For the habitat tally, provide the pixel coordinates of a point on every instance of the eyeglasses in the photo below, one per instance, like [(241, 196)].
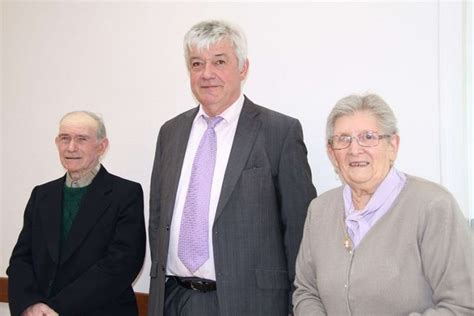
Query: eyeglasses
[(364, 139)]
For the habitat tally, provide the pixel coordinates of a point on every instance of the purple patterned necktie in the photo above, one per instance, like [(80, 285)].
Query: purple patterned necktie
[(193, 244)]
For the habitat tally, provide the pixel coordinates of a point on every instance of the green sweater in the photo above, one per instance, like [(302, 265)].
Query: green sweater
[(71, 201), (416, 260)]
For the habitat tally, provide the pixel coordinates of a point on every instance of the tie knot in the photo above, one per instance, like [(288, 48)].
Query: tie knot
[(212, 121)]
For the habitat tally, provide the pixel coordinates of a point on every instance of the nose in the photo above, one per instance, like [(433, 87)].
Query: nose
[(208, 72), (354, 146), (71, 146)]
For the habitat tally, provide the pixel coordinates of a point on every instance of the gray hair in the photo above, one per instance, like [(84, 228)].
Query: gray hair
[(207, 33), (370, 103), (101, 132)]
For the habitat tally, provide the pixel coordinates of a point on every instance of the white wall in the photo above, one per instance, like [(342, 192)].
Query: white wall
[(3, 254), (469, 89), (125, 61), (453, 106)]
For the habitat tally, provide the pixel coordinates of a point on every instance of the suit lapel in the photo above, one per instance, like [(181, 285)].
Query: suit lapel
[(173, 167), (245, 135), (50, 210), (94, 203)]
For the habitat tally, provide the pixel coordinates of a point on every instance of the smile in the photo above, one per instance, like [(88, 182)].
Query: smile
[(359, 164)]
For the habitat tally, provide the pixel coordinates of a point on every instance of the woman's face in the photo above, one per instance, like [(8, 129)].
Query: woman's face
[(363, 168)]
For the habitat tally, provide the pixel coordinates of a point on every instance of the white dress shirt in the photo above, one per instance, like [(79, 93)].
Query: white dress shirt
[(225, 132)]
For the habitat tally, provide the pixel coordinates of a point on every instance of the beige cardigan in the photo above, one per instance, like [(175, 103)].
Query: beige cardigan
[(416, 260)]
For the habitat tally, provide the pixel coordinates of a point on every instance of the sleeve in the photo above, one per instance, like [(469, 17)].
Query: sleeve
[(154, 220), (447, 257), (109, 277), (22, 286), (306, 298), (296, 190)]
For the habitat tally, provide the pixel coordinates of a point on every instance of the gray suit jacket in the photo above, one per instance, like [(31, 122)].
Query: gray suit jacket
[(260, 215)]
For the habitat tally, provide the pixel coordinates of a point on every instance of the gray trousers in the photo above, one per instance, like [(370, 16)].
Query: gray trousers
[(180, 301)]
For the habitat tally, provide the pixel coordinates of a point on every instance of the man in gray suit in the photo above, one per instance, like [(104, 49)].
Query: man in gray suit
[(229, 192)]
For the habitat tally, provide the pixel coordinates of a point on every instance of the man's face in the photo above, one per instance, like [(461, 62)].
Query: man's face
[(78, 146), (215, 76)]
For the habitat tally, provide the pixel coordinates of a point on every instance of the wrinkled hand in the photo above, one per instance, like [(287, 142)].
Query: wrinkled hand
[(39, 309)]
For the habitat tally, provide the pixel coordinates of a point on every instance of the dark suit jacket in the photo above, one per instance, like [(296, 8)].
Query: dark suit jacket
[(100, 259), (260, 214)]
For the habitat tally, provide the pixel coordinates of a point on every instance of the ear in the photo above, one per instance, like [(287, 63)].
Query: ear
[(393, 147), (244, 70), (103, 145)]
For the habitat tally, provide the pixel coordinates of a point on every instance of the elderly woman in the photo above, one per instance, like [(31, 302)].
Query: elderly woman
[(385, 243)]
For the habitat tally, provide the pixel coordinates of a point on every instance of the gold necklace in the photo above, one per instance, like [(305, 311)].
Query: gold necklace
[(347, 239)]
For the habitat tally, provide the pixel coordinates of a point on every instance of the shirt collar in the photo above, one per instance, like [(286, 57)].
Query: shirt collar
[(384, 190), (85, 180), (230, 115)]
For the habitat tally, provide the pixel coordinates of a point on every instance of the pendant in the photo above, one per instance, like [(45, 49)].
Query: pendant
[(347, 243)]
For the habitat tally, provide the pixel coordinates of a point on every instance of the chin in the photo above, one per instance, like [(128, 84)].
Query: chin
[(359, 179), (209, 101)]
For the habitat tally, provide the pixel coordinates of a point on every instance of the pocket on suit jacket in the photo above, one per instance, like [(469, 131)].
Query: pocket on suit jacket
[(272, 279), (256, 171)]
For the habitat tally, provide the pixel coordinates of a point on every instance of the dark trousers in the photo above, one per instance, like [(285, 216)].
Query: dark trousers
[(180, 301)]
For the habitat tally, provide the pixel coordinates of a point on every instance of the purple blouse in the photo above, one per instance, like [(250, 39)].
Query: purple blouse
[(359, 222)]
